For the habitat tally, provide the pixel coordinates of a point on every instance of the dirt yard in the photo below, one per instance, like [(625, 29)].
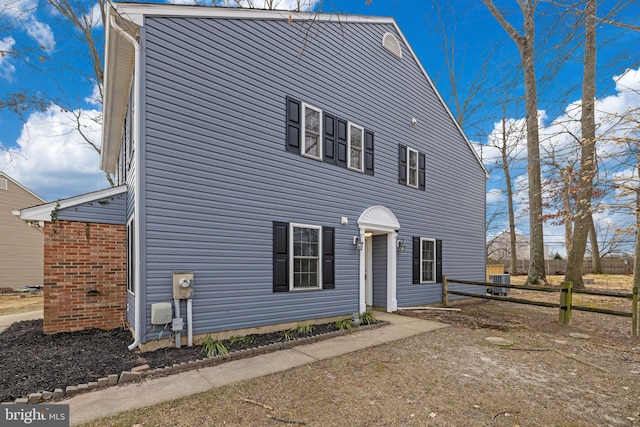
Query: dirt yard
[(545, 374)]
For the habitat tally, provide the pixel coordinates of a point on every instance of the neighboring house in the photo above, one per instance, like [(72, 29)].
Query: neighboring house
[(298, 166), (499, 247), (20, 245)]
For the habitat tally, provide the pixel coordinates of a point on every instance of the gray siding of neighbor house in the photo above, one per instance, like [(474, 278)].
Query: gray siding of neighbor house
[(107, 210), (216, 173), (379, 279)]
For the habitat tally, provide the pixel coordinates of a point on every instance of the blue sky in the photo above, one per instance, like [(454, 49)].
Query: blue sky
[(47, 156)]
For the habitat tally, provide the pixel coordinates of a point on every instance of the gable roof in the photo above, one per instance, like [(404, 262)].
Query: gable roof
[(43, 212), (122, 28), (8, 178)]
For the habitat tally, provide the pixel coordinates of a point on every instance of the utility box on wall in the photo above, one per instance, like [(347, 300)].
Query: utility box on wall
[(182, 285), (161, 313)]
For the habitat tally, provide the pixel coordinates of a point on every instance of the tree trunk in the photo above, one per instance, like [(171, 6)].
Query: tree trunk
[(525, 44), (512, 221), (595, 248), (636, 256), (587, 158), (566, 207), (536, 253)]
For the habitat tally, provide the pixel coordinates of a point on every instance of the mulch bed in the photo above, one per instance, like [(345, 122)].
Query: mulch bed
[(32, 362)]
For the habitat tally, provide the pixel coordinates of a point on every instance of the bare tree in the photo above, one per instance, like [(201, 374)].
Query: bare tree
[(582, 218), (525, 43)]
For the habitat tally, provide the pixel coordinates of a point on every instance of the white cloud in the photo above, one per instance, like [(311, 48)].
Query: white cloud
[(495, 195), (52, 159), (18, 8), (95, 16), (24, 12), (41, 33), (6, 68), (94, 99)]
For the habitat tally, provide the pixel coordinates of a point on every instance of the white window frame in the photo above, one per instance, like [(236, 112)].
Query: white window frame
[(435, 257), (303, 133), (353, 125), (131, 256), (291, 256), (409, 151)]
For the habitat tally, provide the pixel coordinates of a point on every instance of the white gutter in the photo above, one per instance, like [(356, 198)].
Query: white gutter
[(136, 217)]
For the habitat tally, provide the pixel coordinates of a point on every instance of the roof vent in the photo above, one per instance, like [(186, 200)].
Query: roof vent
[(3, 184), (391, 43)]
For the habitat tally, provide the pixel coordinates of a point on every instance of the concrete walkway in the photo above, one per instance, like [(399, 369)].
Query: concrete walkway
[(9, 319), (111, 401)]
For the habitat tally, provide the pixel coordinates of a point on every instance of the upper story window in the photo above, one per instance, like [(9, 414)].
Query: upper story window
[(312, 132), (319, 135), (356, 147), (411, 167)]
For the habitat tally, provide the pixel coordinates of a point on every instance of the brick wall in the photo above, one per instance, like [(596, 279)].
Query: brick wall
[(79, 259)]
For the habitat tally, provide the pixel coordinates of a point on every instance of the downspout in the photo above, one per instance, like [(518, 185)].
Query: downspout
[(136, 218)]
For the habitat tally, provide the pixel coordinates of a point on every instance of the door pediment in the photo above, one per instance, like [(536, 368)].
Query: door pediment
[(378, 218)]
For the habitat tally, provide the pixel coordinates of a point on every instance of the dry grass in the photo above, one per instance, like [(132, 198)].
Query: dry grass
[(449, 377), (602, 281), (20, 303)]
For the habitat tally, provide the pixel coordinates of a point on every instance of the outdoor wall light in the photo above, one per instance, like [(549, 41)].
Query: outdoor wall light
[(358, 242), (401, 246)]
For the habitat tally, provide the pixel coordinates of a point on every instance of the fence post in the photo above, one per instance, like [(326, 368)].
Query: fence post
[(565, 303), (445, 291), (634, 313)]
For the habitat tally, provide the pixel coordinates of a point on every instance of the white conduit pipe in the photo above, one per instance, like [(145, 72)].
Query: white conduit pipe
[(189, 323), (176, 303)]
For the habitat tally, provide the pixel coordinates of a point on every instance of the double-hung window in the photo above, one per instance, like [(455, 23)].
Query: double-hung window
[(427, 260), (312, 132), (305, 250), (356, 152), (412, 169)]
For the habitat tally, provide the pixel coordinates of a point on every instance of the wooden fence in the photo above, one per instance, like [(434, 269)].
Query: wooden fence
[(565, 303)]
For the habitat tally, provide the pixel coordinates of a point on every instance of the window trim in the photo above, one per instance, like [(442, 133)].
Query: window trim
[(131, 256), (362, 142), (417, 170), (293, 225), (303, 131), (434, 260)]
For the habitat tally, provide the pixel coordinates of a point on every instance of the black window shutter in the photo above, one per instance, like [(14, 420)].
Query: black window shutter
[(402, 165), (421, 171), (328, 258), (293, 125), (341, 143), (416, 260), (439, 261), (329, 142), (368, 152), (280, 257)]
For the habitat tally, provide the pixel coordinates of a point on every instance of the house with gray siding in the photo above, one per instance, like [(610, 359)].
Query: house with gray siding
[(280, 168)]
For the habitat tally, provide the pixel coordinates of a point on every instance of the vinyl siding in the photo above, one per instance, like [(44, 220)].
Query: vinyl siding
[(21, 245), (109, 210), (217, 174)]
